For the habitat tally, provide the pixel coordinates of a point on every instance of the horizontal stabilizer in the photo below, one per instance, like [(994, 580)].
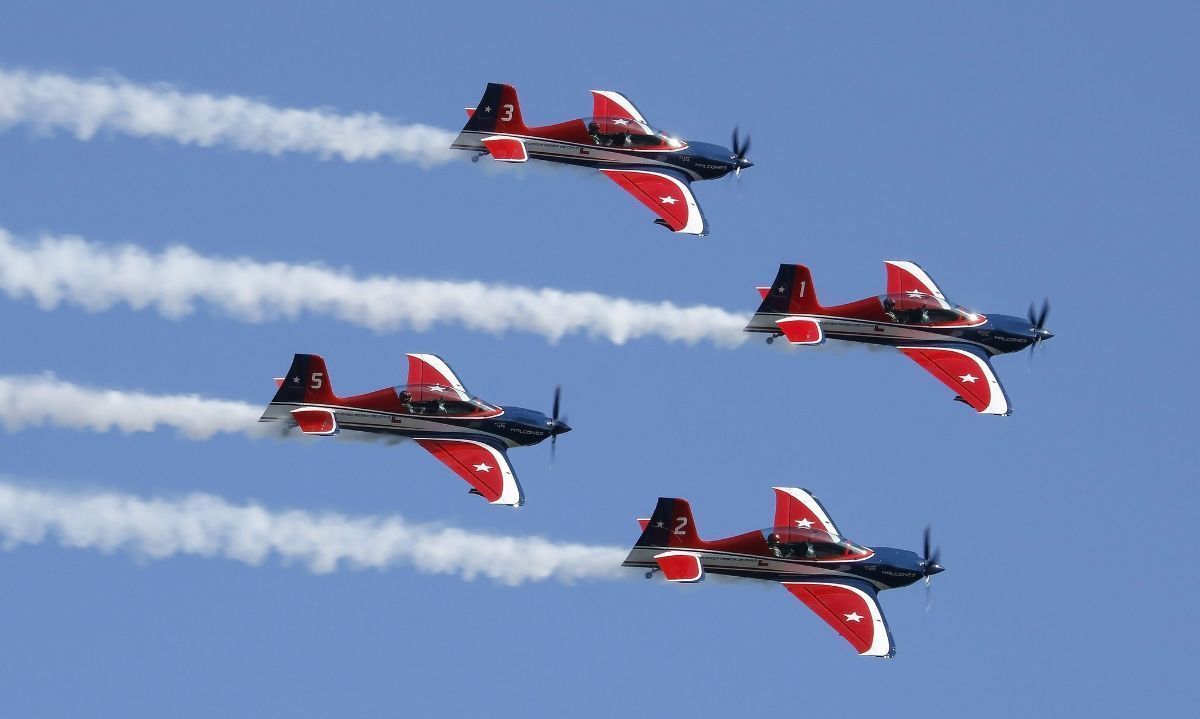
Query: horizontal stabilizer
[(315, 420), (506, 149), (680, 566), (801, 330), (643, 522)]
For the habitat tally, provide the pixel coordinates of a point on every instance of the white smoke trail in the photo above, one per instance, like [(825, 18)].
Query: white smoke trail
[(208, 526), (37, 400), (43, 399), (69, 269), (49, 102)]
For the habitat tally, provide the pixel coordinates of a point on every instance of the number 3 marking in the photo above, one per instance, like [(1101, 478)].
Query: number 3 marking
[(681, 522), (508, 111), (317, 382)]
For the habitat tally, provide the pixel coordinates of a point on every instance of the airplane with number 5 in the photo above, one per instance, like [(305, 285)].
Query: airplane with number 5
[(651, 165), (468, 435), (951, 343), (802, 550)]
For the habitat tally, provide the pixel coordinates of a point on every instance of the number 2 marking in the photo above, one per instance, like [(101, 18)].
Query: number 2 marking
[(681, 522), (508, 112), (317, 381)]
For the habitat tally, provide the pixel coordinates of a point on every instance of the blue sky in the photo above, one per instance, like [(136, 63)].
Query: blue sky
[(1014, 152)]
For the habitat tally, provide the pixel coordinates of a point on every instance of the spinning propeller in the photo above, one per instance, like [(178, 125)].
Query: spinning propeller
[(1037, 323), (930, 566), (557, 427), (739, 153)]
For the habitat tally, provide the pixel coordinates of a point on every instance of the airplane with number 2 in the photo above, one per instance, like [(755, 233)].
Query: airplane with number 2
[(468, 435), (651, 165), (951, 343), (803, 550)]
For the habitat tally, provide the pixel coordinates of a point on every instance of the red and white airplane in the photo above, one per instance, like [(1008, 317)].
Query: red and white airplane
[(951, 343), (802, 550), (468, 435), (651, 165)]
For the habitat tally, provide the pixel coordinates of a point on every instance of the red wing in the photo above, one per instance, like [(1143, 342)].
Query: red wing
[(907, 278), (606, 103), (433, 370), (666, 195), (852, 609), (485, 468), (796, 508), (965, 372)]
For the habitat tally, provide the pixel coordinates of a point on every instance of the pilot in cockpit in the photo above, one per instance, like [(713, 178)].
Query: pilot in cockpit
[(406, 402), (889, 309), (773, 545)]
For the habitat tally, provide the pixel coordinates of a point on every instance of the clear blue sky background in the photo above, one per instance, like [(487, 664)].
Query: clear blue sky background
[(1015, 152)]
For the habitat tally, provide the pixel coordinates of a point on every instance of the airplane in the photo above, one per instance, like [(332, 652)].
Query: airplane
[(651, 165), (951, 343), (468, 435), (803, 550)]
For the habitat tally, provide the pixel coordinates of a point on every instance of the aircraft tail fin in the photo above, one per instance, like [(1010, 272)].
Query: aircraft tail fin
[(498, 112), (307, 382), (792, 292), (671, 525)]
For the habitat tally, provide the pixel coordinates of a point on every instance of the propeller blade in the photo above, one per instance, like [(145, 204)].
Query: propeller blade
[(735, 142), (925, 554), (745, 148), (557, 398), (1045, 313)]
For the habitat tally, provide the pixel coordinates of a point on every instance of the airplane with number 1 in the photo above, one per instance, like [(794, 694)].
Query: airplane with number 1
[(649, 164), (803, 550), (468, 435), (953, 344)]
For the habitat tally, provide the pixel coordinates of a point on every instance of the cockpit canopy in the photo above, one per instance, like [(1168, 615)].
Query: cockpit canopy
[(623, 132), (921, 309), (800, 543), (441, 401)]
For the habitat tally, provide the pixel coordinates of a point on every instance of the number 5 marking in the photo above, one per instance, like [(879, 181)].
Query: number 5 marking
[(317, 382), (681, 522), (508, 112)]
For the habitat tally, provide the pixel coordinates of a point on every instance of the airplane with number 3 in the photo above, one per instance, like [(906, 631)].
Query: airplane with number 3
[(651, 165), (468, 435), (802, 550), (951, 343)]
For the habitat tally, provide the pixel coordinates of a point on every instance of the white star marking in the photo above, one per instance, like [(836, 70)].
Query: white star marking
[(668, 200), (485, 467), (969, 378), (854, 617), (488, 108), (804, 523), (659, 525), (436, 388), (620, 122), (916, 293), (295, 380)]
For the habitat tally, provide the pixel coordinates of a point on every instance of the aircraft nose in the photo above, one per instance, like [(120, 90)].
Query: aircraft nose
[(934, 569), (743, 163), (559, 427), (1043, 334)]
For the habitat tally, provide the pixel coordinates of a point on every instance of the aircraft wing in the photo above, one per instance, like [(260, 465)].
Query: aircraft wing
[(851, 607), (485, 467), (795, 507), (907, 278), (667, 194), (433, 370), (966, 371), (606, 103)]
